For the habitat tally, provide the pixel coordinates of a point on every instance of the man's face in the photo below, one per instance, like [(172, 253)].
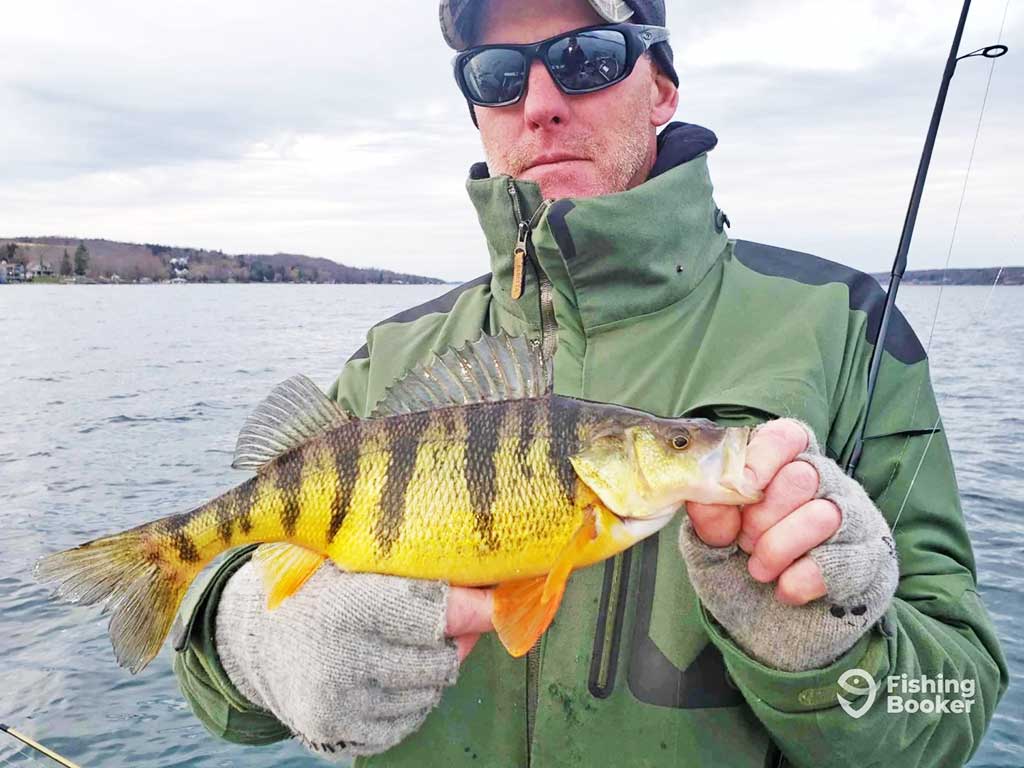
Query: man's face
[(572, 146)]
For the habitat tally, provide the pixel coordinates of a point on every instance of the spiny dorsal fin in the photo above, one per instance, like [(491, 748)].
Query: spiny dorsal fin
[(489, 369), (295, 411)]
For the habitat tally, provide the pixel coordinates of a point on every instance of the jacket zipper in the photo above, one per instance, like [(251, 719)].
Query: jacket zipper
[(520, 255), (549, 339)]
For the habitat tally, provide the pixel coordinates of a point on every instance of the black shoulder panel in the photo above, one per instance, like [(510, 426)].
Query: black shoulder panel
[(439, 305), (865, 293)]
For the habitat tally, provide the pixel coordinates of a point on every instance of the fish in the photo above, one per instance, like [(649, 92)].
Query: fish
[(471, 470)]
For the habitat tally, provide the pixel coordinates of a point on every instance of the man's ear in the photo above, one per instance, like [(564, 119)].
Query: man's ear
[(665, 97)]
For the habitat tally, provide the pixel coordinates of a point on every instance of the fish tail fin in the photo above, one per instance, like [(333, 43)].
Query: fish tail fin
[(139, 587)]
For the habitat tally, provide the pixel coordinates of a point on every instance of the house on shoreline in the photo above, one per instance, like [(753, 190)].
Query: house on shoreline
[(15, 272), (11, 272)]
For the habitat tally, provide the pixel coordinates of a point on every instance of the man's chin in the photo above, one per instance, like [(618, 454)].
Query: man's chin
[(572, 178)]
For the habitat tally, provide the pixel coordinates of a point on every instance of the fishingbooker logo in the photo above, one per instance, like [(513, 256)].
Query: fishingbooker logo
[(906, 694), (857, 683)]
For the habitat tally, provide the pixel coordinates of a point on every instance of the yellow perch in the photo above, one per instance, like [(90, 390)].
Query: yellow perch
[(471, 471)]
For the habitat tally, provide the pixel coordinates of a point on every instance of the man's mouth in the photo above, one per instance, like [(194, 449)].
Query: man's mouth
[(551, 158)]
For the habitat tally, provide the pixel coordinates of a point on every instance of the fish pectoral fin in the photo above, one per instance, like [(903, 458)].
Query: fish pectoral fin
[(284, 568), (569, 557), (520, 616), (523, 610)]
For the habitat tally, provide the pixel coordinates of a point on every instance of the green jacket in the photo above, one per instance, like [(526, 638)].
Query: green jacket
[(654, 307)]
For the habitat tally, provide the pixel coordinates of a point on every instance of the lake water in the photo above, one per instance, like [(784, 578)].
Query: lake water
[(122, 404)]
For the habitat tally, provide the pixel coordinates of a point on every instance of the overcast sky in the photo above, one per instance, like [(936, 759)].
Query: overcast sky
[(323, 128)]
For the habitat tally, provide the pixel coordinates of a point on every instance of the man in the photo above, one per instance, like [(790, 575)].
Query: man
[(721, 640)]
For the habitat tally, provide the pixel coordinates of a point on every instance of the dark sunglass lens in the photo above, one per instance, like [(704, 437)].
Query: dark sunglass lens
[(494, 75), (589, 60)]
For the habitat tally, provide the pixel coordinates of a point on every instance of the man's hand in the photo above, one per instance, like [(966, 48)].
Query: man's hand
[(785, 525), (816, 534), (352, 663), (468, 614)]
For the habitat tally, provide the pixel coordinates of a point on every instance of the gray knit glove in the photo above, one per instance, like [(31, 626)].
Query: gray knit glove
[(351, 663), (858, 564)]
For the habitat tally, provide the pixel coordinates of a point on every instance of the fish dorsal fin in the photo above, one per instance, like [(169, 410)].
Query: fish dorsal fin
[(284, 568), (295, 411), (492, 368)]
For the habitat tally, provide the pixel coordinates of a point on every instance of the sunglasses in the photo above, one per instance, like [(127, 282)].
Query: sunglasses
[(581, 61)]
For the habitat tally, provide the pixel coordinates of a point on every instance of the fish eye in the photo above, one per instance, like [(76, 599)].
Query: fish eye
[(680, 441)]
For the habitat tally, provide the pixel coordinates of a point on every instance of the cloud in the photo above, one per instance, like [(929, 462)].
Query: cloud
[(326, 129)]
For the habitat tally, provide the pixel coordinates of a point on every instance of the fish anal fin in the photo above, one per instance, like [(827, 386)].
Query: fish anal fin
[(523, 610), (284, 568)]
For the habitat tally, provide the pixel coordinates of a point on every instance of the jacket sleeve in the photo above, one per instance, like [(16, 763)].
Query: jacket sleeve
[(202, 680), (936, 624)]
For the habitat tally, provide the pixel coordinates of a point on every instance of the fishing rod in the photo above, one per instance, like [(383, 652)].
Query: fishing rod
[(899, 265), (37, 747)]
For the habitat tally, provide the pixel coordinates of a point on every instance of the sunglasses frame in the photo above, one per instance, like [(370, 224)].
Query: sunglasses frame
[(639, 39)]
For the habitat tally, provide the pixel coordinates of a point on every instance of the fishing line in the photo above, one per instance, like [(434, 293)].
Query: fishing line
[(935, 427), (899, 264), (967, 178), (945, 269)]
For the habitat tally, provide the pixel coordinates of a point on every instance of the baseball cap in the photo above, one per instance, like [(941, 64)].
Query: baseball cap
[(459, 23)]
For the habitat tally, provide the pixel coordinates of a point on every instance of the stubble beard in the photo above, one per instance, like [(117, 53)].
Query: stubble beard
[(620, 154)]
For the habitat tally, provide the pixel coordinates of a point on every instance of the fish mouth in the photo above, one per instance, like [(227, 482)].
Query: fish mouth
[(740, 491), (641, 527), (728, 461)]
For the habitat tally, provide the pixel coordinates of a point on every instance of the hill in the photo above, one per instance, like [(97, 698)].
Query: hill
[(979, 276), (151, 261)]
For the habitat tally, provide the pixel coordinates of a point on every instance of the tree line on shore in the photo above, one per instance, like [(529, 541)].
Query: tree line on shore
[(105, 260)]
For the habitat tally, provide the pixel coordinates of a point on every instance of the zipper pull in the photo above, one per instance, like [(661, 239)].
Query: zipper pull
[(518, 260)]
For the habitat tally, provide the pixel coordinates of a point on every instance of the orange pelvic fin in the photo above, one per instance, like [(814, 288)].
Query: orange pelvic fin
[(523, 610), (284, 568)]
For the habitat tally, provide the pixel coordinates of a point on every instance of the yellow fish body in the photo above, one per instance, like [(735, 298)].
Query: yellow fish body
[(473, 473)]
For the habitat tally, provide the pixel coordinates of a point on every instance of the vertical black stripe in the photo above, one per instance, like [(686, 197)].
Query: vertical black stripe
[(289, 482), (346, 465), (527, 413), (446, 416), (483, 426), (222, 509), (245, 498), (181, 541), (402, 435), (564, 442)]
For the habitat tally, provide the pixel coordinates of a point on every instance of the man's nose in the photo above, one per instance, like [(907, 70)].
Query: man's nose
[(544, 105)]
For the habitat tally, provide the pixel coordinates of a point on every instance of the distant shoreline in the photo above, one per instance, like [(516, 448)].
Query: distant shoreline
[(110, 261), (978, 276), (38, 281)]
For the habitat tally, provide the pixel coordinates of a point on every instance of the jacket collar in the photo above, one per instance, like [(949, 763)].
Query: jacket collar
[(614, 256)]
